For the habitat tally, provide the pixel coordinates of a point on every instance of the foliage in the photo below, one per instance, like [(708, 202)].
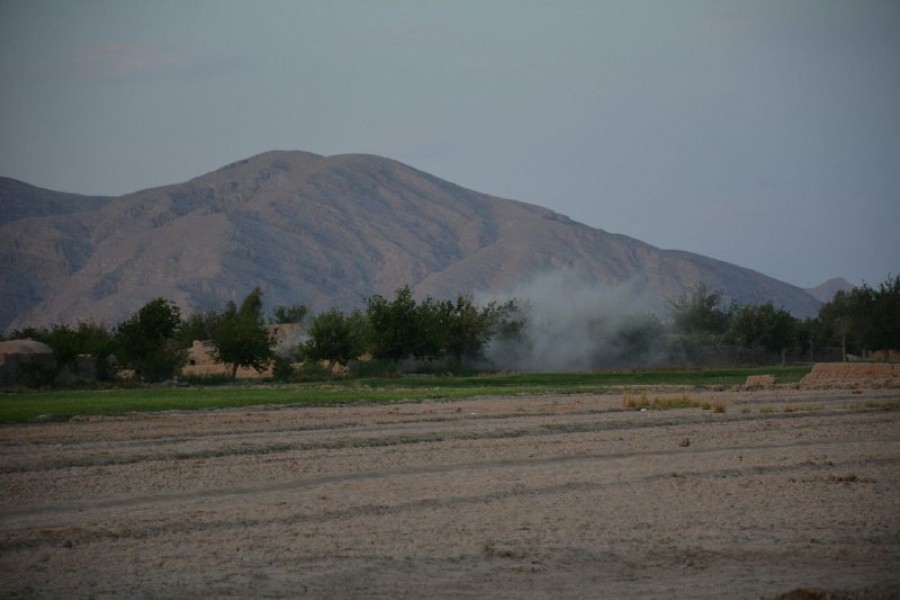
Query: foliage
[(700, 311), (36, 374), (884, 314), (469, 328), (864, 318), (638, 338), (295, 313), (241, 338), (374, 369), (336, 337), (68, 343), (282, 368), (146, 341), (393, 325), (26, 406), (199, 325), (38, 334), (437, 329), (762, 325), (446, 332), (312, 371)]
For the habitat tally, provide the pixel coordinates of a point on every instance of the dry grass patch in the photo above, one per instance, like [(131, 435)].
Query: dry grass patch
[(641, 401)]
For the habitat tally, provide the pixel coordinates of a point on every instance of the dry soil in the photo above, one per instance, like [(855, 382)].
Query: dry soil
[(494, 497)]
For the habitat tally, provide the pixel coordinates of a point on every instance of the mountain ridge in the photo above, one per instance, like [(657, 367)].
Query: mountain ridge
[(825, 291), (325, 231)]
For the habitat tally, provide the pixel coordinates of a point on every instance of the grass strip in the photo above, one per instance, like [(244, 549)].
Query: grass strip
[(21, 407)]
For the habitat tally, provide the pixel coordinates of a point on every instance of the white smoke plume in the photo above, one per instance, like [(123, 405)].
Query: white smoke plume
[(575, 325)]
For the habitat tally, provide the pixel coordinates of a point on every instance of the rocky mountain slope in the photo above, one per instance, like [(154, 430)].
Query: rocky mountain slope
[(825, 292), (325, 231)]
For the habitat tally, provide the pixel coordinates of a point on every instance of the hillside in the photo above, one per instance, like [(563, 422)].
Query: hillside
[(325, 231), (20, 200), (826, 291)]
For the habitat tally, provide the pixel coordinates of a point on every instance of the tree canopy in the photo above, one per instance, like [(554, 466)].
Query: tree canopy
[(289, 314), (393, 324), (241, 338), (336, 337), (700, 311), (703, 327), (146, 341), (764, 326), (863, 318)]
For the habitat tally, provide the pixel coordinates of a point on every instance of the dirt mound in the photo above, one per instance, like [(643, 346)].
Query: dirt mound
[(805, 594), (759, 381), (869, 373), (14, 347), (876, 592)]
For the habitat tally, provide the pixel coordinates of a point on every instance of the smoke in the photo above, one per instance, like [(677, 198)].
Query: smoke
[(575, 325)]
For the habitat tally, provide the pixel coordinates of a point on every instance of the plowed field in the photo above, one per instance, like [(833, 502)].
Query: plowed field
[(493, 497)]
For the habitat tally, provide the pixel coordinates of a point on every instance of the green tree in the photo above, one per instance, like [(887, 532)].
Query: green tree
[(884, 313), (394, 325), (146, 341), (764, 326), (508, 321), (469, 327), (864, 318), (837, 320), (295, 313), (700, 311), (68, 343), (336, 337), (241, 338), (199, 325), (431, 324), (432, 329)]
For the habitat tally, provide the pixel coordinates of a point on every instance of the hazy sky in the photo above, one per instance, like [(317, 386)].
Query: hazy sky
[(763, 133)]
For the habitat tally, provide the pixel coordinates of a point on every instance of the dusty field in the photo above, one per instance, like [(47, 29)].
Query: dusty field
[(531, 496)]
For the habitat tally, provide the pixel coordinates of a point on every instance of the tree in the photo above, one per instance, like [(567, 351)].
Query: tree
[(884, 312), (289, 314), (199, 325), (636, 339), (764, 326), (393, 325), (336, 337), (241, 338), (468, 327), (68, 343), (864, 318), (146, 341), (700, 312)]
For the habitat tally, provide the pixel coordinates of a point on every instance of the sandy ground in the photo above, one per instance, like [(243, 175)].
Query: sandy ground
[(527, 496)]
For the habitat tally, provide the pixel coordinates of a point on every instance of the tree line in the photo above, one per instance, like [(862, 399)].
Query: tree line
[(153, 342), (859, 321)]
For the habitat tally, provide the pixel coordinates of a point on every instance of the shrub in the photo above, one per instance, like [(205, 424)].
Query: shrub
[(36, 374), (282, 368), (375, 368)]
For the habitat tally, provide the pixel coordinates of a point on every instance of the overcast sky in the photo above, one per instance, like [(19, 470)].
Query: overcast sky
[(763, 133)]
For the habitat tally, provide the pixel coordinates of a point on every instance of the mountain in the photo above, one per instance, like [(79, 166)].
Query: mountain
[(324, 231), (826, 291), (20, 200)]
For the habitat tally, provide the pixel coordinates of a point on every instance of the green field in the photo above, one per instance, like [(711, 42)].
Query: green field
[(62, 404)]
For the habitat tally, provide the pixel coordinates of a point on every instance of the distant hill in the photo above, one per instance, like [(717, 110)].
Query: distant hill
[(826, 291), (325, 231), (20, 200)]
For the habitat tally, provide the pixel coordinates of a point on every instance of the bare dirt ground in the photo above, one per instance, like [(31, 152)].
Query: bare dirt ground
[(494, 497)]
